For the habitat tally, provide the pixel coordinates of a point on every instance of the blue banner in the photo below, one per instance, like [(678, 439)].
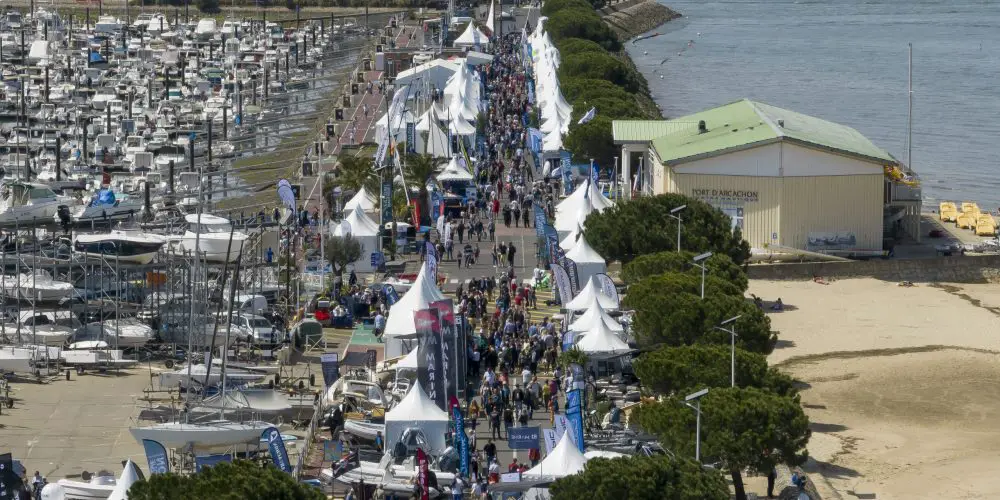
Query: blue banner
[(156, 456), (210, 460), (391, 295), (387, 203), (523, 438), (411, 137), (574, 416), (552, 240), (540, 221), (569, 338), (330, 365), (574, 275), (437, 204), (463, 440), (276, 446), (594, 172), (565, 169)]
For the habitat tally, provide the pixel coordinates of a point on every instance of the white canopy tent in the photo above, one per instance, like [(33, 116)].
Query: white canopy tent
[(361, 200), (584, 193), (589, 292), (432, 74), (490, 21), (601, 341), (400, 331), (569, 241), (565, 460), (594, 313), (365, 230), (471, 37), (588, 261), (398, 129), (568, 220), (461, 127), (436, 144), (129, 477), (455, 171), (417, 410)]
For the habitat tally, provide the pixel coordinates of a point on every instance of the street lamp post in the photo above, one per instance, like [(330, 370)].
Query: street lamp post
[(673, 213), (732, 346), (697, 412), (697, 261)]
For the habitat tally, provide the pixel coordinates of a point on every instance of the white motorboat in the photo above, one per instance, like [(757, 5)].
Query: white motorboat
[(180, 376), (108, 25), (38, 285), (363, 430), (201, 435), (206, 28), (98, 488), (123, 333), (128, 246), (106, 205), (214, 239), (25, 201), (43, 327)]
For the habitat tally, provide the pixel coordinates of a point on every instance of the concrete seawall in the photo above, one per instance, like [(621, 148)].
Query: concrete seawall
[(632, 18), (964, 269)]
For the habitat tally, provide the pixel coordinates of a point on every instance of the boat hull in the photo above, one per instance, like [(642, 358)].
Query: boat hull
[(179, 435)]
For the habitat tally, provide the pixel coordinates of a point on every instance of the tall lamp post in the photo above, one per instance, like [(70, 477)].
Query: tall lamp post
[(698, 262), (696, 397), (732, 346), (673, 213)]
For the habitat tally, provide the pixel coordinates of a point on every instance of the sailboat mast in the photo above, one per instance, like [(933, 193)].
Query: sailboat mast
[(909, 109)]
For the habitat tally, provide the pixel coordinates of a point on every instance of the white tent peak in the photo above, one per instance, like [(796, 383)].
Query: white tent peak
[(416, 406), (595, 312), (421, 293), (455, 171), (358, 224), (590, 292), (129, 477), (361, 200), (600, 339), (565, 460), (582, 253)]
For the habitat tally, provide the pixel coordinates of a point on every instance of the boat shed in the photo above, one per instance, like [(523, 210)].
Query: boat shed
[(786, 180)]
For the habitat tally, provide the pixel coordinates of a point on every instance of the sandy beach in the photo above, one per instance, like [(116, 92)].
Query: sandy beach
[(900, 384)]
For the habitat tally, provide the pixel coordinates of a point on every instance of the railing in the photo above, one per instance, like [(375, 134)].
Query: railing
[(307, 445), (899, 191)]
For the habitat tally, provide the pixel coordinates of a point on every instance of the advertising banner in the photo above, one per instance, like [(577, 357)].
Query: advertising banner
[(562, 283), (449, 349), (463, 440), (156, 456), (539, 221), (549, 435), (523, 438), (574, 417), (330, 365), (386, 202), (411, 137), (607, 286), (276, 446), (423, 474), (431, 373)]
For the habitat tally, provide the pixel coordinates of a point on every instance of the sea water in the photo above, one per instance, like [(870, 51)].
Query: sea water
[(846, 61)]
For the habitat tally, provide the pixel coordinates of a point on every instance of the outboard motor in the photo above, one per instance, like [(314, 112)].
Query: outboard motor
[(64, 217)]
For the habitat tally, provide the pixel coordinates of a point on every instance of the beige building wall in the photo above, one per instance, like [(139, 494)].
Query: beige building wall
[(758, 197), (842, 204)]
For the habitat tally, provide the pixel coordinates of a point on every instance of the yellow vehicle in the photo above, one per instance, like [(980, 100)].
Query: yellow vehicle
[(986, 225), (965, 221), (948, 211)]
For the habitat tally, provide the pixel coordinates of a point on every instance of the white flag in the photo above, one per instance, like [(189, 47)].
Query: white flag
[(587, 117)]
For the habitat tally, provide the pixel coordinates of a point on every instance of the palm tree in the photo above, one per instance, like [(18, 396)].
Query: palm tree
[(351, 174), (419, 168)]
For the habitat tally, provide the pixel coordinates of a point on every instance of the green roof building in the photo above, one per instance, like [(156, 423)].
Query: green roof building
[(788, 180)]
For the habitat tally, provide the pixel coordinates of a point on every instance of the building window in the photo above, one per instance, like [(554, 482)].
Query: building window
[(735, 216)]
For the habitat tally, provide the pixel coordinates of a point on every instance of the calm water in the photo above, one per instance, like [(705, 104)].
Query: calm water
[(846, 61)]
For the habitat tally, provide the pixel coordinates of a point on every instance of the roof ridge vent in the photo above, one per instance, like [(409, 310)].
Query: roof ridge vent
[(781, 122), (702, 128)]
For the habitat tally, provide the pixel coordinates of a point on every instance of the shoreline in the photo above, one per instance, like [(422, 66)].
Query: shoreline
[(629, 19)]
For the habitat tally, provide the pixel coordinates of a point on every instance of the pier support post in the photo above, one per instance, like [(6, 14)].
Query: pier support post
[(58, 158)]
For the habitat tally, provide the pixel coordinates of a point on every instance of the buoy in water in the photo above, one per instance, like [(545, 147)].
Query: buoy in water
[(661, 77), (645, 52)]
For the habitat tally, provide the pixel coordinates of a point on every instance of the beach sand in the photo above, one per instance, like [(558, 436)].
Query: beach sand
[(900, 384)]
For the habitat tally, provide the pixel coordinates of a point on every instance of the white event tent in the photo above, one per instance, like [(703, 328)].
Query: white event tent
[(455, 171), (400, 331), (565, 460), (588, 261), (417, 410), (362, 199), (588, 294), (595, 312), (129, 477), (601, 342), (471, 37), (365, 230), (570, 240)]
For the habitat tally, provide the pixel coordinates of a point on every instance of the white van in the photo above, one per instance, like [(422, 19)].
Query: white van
[(249, 305)]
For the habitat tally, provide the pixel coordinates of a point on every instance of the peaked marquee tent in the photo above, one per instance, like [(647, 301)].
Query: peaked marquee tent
[(565, 460), (399, 326), (600, 341), (588, 261), (361, 200), (589, 292), (417, 410), (595, 313), (365, 230)]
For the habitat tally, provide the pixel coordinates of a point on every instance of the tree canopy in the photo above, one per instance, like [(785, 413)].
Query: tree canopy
[(240, 480), (669, 311), (592, 140), (718, 265), (569, 46), (341, 251), (641, 478), (741, 429), (581, 22), (684, 369), (601, 66), (552, 7), (353, 173), (579, 90), (642, 226), (607, 107)]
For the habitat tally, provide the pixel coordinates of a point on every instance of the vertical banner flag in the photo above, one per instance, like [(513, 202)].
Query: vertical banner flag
[(276, 446), (564, 169), (156, 456), (330, 365), (430, 259), (411, 137), (607, 286), (552, 242), (392, 118), (539, 219), (387, 203), (431, 376), (549, 435), (574, 418), (595, 172), (10, 481), (423, 474), (562, 282), (559, 424), (574, 275), (463, 440), (391, 295), (448, 343)]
